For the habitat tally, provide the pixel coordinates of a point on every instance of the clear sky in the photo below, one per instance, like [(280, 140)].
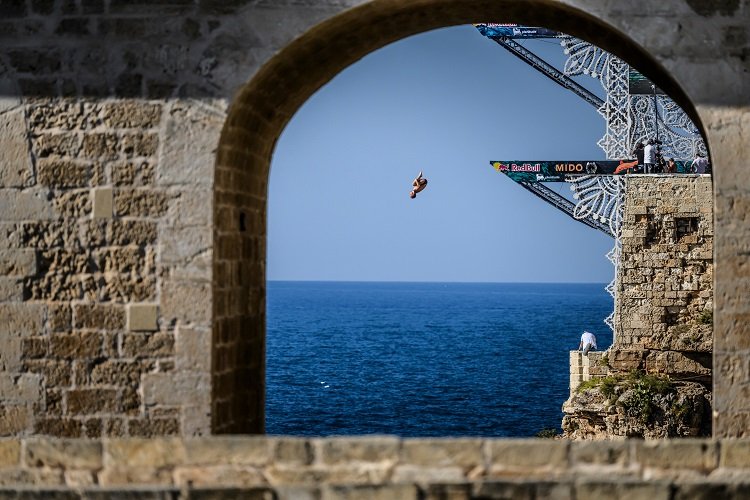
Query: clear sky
[(445, 102)]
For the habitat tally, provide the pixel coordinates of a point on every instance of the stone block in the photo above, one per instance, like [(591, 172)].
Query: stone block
[(342, 451), (22, 320), (148, 345), (63, 453), (696, 455), (193, 349), (142, 317), (407, 473), (99, 316), (213, 475), (142, 202), (463, 453), (11, 289), (77, 345), (90, 401), (14, 420), (132, 232), (134, 173), (623, 489), (735, 453), (63, 173), (131, 114), (235, 450), (371, 492), (148, 453), (103, 203), (20, 389), (189, 161), (175, 388), (599, 453), (293, 451), (15, 157), (10, 453), (187, 301), (153, 427), (29, 204), (512, 454)]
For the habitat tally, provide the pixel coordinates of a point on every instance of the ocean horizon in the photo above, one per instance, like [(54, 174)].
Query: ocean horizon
[(424, 358)]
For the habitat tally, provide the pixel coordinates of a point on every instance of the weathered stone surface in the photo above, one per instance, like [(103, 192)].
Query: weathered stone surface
[(106, 317), (174, 389), (510, 454), (15, 161), (189, 162), (79, 345), (17, 262), (143, 453), (236, 450), (63, 174), (14, 420), (88, 401), (74, 454), (102, 203), (142, 317), (29, 204)]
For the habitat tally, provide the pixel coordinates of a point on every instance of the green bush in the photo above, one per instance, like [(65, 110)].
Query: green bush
[(706, 318), (547, 433)]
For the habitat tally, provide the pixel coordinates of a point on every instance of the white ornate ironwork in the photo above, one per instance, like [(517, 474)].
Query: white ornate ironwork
[(629, 119)]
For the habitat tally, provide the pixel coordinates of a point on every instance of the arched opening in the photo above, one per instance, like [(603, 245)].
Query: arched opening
[(255, 121)]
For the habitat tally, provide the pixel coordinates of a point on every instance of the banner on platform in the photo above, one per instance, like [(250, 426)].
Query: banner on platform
[(640, 85), (557, 171), (493, 30)]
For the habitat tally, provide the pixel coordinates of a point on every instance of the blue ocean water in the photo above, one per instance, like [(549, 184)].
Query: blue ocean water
[(424, 359)]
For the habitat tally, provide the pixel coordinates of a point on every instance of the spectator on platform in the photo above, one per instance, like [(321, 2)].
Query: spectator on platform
[(671, 167), (638, 153), (588, 342), (700, 164), (649, 157)]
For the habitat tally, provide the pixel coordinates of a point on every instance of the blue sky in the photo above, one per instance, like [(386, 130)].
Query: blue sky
[(445, 102)]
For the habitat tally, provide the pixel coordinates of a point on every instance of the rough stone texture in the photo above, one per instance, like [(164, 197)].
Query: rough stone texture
[(663, 318), (237, 467), (179, 103)]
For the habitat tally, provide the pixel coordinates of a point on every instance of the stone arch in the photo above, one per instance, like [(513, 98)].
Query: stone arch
[(256, 118)]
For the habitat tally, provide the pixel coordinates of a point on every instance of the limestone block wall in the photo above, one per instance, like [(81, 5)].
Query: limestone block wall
[(135, 149), (583, 368), (664, 305), (373, 467), (103, 250)]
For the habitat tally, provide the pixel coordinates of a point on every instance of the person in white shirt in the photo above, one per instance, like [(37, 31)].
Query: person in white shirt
[(699, 164), (649, 157), (588, 342)]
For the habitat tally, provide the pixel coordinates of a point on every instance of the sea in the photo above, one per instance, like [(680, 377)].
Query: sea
[(424, 359)]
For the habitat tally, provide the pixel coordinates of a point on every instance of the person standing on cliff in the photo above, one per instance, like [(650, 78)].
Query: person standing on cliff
[(588, 342)]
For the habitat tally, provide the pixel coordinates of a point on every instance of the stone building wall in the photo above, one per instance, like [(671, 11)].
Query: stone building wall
[(663, 320), (378, 467), (136, 145), (664, 305)]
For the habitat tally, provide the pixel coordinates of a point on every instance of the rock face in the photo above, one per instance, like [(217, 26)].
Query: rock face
[(654, 381), (627, 408)]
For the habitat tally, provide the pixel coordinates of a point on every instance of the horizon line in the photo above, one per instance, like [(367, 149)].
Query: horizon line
[(442, 282)]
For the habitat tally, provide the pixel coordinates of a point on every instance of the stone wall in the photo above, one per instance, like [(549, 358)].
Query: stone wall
[(663, 320), (374, 467), (664, 305), (584, 368), (136, 145)]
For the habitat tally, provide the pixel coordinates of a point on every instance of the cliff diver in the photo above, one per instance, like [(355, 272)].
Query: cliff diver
[(418, 184)]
